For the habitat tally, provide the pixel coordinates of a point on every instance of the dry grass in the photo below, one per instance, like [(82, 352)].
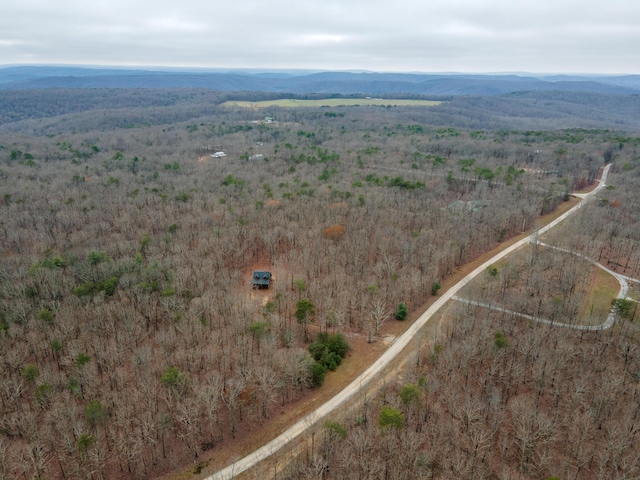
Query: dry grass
[(333, 102), (604, 288)]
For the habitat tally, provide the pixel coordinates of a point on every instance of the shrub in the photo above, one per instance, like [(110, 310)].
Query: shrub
[(624, 307), (84, 441), (318, 372), (402, 183), (500, 340), (96, 257), (56, 345), (338, 344), (42, 393), (30, 372), (81, 359), (95, 414), (54, 262), (328, 352), (304, 310), (317, 350), (338, 428), (401, 312), (231, 180), (409, 393), (84, 290), (175, 379), (50, 263), (88, 289), (74, 386), (45, 315), (108, 286), (390, 418), (171, 376), (331, 360), (329, 346), (258, 329)]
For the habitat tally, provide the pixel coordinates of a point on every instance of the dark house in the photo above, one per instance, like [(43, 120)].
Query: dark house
[(261, 279)]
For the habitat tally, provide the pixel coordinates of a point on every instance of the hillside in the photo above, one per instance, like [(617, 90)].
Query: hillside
[(48, 111), (131, 342)]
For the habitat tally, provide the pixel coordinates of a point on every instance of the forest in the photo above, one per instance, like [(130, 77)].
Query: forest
[(132, 343)]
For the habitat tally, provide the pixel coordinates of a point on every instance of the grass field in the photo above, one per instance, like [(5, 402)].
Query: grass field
[(604, 289), (333, 102)]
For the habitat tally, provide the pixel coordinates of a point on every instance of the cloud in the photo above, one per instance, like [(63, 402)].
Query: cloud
[(405, 35)]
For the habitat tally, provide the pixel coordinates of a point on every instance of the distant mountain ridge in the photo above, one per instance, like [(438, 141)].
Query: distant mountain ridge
[(345, 83)]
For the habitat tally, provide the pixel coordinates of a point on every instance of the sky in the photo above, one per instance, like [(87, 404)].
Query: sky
[(469, 36)]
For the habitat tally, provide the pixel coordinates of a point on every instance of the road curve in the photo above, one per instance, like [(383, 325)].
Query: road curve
[(623, 280), (396, 347)]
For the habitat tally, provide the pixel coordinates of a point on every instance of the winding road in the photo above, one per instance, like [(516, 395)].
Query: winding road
[(394, 349), (623, 280)]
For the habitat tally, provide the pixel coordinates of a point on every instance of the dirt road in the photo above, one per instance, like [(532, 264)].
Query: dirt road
[(394, 349)]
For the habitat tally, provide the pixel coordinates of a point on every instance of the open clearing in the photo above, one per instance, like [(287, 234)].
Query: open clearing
[(334, 102)]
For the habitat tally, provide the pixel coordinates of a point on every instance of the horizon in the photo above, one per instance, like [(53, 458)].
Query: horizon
[(306, 71)]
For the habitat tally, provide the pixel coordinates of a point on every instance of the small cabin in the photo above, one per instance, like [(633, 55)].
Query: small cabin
[(261, 279)]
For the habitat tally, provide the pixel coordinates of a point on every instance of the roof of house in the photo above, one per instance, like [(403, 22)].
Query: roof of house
[(260, 278)]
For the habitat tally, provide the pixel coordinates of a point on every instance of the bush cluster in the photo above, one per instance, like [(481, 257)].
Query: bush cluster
[(328, 352), (91, 288)]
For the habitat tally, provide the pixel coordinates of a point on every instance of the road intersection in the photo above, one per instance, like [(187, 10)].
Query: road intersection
[(394, 349)]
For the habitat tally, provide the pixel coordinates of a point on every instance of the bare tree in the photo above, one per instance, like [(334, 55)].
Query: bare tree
[(377, 315)]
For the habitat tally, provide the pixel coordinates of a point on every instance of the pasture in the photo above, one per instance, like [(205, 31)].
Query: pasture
[(333, 102)]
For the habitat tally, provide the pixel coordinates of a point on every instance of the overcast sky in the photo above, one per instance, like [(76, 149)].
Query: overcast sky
[(541, 36)]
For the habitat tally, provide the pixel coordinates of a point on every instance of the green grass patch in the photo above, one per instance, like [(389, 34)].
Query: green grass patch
[(333, 102)]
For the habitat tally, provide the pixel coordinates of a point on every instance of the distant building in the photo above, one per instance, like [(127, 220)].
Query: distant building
[(259, 156), (261, 279), (218, 155), (268, 119)]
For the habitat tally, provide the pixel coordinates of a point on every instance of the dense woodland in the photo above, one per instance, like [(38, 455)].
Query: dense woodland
[(130, 338), (495, 398)]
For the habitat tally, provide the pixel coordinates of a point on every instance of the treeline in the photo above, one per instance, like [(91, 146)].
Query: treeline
[(38, 104), (534, 110)]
